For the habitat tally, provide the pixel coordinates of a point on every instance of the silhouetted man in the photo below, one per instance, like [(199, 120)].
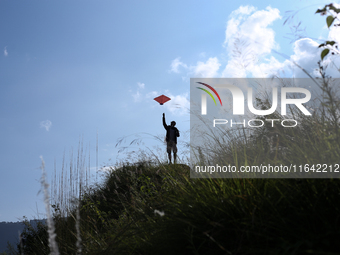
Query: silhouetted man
[(171, 138)]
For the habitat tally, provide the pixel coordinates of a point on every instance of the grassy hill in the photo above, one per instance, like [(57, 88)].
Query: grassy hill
[(158, 209)]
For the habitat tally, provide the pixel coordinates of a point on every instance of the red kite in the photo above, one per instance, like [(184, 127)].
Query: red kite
[(162, 99)]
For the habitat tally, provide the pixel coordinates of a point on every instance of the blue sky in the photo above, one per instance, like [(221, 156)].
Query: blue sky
[(72, 69)]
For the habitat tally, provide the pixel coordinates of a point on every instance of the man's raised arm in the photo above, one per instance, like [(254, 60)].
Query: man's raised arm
[(164, 123)]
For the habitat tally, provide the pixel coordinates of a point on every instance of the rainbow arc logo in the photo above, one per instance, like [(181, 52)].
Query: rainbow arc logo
[(212, 89)]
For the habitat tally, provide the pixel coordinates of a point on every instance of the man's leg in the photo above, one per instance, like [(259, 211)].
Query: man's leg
[(168, 150), (174, 149)]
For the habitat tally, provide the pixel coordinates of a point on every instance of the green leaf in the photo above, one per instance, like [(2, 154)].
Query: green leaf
[(324, 53), (326, 43), (334, 9), (321, 10), (330, 20), (330, 42)]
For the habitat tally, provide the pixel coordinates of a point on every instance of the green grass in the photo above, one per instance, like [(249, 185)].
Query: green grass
[(202, 216)]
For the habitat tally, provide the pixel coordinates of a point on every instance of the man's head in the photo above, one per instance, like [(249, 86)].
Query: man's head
[(173, 123)]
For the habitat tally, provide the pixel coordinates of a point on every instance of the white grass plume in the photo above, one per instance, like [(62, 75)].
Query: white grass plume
[(160, 213), (78, 243), (50, 224)]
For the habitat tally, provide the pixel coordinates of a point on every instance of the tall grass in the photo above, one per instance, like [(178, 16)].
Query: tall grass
[(151, 207), (67, 188), (158, 209), (50, 224)]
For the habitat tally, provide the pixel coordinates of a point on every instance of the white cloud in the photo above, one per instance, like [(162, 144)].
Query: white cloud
[(253, 29), (244, 10), (175, 64), (178, 105), (306, 54), (208, 69), (269, 68), (304, 49), (151, 94), (250, 44), (248, 38), (334, 34), (234, 69), (47, 124), (5, 52), (252, 50), (141, 85), (201, 69), (137, 96)]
